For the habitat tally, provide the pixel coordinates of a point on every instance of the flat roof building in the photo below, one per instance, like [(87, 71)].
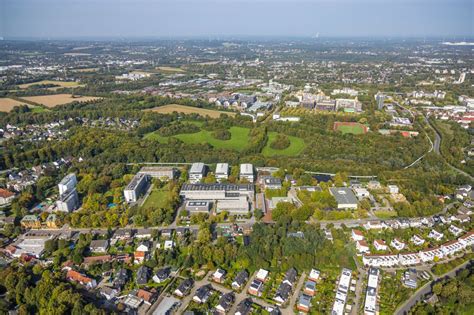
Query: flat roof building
[(161, 172), (246, 172), (370, 307), (68, 202), (197, 172), (197, 206), (238, 205), (222, 171), (68, 183), (136, 187), (216, 191), (344, 196)]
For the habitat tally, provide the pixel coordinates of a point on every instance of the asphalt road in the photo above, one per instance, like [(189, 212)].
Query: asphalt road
[(420, 293)]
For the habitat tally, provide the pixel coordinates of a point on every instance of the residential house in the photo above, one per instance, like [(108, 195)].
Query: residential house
[(417, 240), (109, 293), (380, 245), (256, 287), (435, 235), (120, 279), (202, 294), (304, 303), (30, 221), (240, 280), (225, 302), (99, 246), (52, 221), (143, 275), (374, 225), (357, 235), (122, 234), (219, 276), (410, 279), (84, 280), (244, 307), (362, 247), (455, 230), (139, 257), (310, 288), (409, 259), (451, 247), (428, 255), (397, 244), (6, 196), (380, 260), (314, 275), (162, 275), (262, 275), (184, 288), (290, 276), (282, 294)]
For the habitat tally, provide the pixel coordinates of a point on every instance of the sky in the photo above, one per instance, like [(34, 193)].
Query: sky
[(203, 18)]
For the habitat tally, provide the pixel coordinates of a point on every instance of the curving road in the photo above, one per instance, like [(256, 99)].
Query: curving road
[(421, 292)]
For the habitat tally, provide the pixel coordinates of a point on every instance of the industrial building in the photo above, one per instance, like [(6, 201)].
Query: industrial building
[(161, 172), (68, 201), (344, 196), (136, 187), (246, 172), (238, 205), (222, 171), (197, 172), (68, 183)]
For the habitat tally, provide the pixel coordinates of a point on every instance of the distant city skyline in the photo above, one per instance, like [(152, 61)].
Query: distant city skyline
[(214, 18)]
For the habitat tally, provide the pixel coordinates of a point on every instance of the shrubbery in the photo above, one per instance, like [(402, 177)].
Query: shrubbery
[(222, 134), (281, 142), (178, 128)]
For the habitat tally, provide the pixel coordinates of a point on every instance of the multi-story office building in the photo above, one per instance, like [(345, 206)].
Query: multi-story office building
[(68, 183), (197, 172), (136, 187), (246, 172), (68, 201), (222, 171)]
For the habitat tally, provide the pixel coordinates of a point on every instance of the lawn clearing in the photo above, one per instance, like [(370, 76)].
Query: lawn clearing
[(168, 109), (65, 84), (7, 104), (297, 145), (156, 199), (350, 127), (238, 141), (385, 214), (58, 99)]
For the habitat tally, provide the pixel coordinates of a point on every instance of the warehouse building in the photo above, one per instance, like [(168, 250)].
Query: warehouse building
[(222, 171), (136, 187), (197, 172), (159, 172), (344, 196)]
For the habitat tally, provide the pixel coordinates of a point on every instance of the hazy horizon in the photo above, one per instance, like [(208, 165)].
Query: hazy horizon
[(109, 19)]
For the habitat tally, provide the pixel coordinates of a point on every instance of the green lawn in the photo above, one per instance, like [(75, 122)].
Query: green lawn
[(238, 141), (156, 199), (297, 145), (385, 214), (356, 130)]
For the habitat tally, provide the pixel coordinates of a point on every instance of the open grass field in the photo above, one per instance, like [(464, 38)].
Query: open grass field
[(350, 127), (7, 104), (238, 141), (58, 99), (60, 83), (296, 147), (168, 109), (170, 69), (156, 199)]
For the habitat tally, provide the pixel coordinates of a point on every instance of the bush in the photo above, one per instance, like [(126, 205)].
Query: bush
[(281, 142), (222, 134), (178, 128)]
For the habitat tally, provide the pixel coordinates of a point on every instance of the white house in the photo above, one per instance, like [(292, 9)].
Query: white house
[(417, 240), (428, 255), (362, 246), (451, 247), (408, 259), (387, 260), (262, 275), (397, 244), (393, 189), (380, 245), (357, 235), (455, 230), (435, 235)]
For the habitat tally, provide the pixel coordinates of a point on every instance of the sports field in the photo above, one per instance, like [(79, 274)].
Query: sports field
[(168, 109), (7, 104), (350, 127), (60, 83), (170, 69), (296, 147), (238, 141), (58, 99)]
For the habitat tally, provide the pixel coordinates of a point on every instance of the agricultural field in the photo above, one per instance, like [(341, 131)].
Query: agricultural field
[(350, 127), (168, 109), (61, 84), (58, 99), (7, 104), (238, 141), (296, 147)]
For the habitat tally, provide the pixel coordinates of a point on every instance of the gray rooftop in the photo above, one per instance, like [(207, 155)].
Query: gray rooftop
[(343, 195)]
